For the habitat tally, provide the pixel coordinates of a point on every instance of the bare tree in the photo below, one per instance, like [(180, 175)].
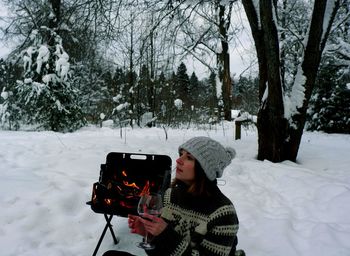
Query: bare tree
[(282, 112), (203, 30)]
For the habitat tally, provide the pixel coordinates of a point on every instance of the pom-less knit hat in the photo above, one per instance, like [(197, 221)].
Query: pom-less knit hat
[(212, 156)]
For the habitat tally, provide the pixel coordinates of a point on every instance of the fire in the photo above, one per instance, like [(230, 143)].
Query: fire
[(108, 201), (145, 190), (126, 183)]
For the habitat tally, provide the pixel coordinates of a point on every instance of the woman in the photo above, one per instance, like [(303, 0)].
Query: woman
[(197, 219)]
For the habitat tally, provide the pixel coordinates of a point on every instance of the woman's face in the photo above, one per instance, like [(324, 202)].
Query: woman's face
[(185, 167)]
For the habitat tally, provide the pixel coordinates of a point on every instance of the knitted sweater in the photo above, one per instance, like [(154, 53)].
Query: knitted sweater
[(205, 225)]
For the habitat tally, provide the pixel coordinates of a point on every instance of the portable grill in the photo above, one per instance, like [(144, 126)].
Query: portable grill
[(123, 178)]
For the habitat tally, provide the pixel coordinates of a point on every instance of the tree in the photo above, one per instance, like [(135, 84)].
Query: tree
[(329, 104), (212, 96), (183, 84), (203, 30), (282, 113), (194, 90), (144, 93), (45, 90), (247, 95), (83, 27), (10, 110)]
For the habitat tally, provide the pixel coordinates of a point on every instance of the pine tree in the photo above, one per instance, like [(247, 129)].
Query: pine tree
[(194, 92), (330, 103), (182, 84), (212, 96), (10, 111), (246, 95), (48, 97)]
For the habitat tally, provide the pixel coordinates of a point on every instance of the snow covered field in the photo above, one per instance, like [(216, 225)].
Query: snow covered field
[(285, 209)]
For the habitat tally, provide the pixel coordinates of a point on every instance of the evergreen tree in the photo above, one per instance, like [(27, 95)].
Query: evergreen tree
[(48, 97), (165, 100), (10, 111), (194, 92), (330, 103), (124, 101), (212, 96), (182, 84), (247, 94), (173, 95), (105, 103), (143, 94), (162, 93)]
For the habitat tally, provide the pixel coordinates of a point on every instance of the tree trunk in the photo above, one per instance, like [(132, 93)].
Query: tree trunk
[(279, 139), (56, 8), (224, 64), (272, 124), (131, 75), (310, 65)]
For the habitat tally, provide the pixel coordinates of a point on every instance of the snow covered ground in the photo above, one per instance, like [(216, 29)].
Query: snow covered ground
[(285, 209)]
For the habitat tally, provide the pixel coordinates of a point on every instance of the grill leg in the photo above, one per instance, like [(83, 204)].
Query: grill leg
[(108, 225), (111, 228)]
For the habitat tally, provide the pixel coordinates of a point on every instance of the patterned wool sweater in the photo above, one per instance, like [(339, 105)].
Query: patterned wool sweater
[(205, 225)]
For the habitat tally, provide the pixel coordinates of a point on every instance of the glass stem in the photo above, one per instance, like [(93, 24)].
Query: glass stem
[(146, 237)]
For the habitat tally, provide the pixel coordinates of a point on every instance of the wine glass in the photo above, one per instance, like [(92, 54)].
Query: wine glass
[(150, 204)]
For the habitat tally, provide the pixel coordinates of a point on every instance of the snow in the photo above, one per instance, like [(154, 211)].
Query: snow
[(27, 58), (296, 98), (122, 106), (43, 57), (235, 113), (178, 103), (218, 87), (4, 94), (257, 11), (327, 17), (284, 208), (117, 98), (265, 95), (62, 64)]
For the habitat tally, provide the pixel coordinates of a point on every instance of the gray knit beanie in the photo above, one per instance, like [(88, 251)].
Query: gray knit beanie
[(212, 156)]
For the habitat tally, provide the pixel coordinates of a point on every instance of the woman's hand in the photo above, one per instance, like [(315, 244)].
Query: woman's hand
[(153, 224), (135, 224)]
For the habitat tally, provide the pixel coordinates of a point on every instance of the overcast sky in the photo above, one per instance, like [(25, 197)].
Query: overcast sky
[(4, 50), (241, 52)]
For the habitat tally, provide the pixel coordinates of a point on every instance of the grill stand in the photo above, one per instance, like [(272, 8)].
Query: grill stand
[(108, 225)]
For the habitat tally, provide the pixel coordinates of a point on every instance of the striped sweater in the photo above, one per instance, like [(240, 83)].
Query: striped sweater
[(205, 225)]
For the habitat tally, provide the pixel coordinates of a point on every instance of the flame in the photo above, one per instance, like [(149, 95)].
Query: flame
[(108, 201), (128, 194), (145, 190), (126, 183), (124, 173)]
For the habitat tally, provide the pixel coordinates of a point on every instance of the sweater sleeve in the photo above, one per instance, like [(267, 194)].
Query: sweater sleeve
[(217, 238)]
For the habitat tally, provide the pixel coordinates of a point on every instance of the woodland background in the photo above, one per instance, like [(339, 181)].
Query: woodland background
[(74, 63)]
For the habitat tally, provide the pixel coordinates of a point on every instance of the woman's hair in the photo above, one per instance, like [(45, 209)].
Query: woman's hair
[(201, 185)]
